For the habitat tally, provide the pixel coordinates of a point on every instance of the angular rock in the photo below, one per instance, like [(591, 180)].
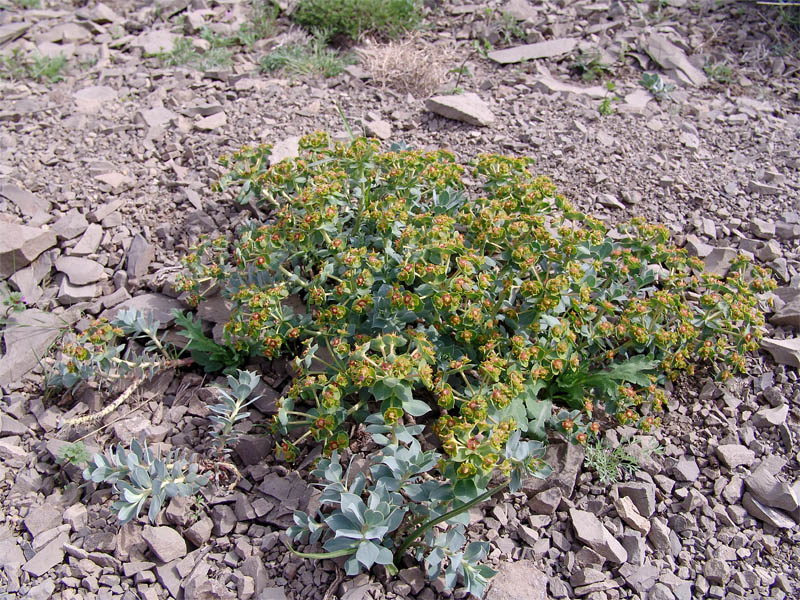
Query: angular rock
[(156, 41), (211, 122), (789, 314), (379, 129), (766, 488), (756, 187), (520, 10), (773, 516), (770, 417), (253, 567), (637, 100), (13, 455), (467, 107), (77, 517), (224, 519), (716, 571), (659, 535), (733, 455), (286, 148), (11, 31), (660, 592), (165, 543), (203, 588), (548, 49), (634, 545), (80, 271), (27, 280), (546, 83), (628, 513), (200, 532), (591, 532), (28, 204), (696, 247), (73, 294), (48, 557), (784, 352), (719, 261), (641, 579), (158, 116), (566, 460), (89, 242), (140, 255), (90, 99), (546, 502), (71, 225), (642, 494), (42, 518), (519, 580), (20, 244), (669, 56), (116, 181), (686, 469)]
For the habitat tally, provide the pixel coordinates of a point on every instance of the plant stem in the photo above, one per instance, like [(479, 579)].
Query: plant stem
[(448, 515)]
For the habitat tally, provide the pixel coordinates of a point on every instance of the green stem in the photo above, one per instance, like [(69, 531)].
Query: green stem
[(321, 555), (448, 515), (298, 280)]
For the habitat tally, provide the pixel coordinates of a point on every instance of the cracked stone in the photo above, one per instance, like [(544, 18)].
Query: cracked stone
[(773, 516), (591, 532)]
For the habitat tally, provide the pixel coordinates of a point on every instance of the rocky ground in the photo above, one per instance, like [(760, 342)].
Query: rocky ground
[(105, 181)]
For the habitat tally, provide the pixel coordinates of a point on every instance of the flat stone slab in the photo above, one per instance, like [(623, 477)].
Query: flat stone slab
[(156, 42), (90, 99), (548, 84), (468, 108), (80, 271), (733, 455), (669, 56), (11, 31), (28, 204), (20, 245), (547, 49), (784, 352), (28, 336), (517, 581)]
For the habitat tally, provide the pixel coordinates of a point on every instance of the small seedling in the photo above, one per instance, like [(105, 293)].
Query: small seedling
[(589, 66), (720, 72), (230, 410), (75, 454), (606, 107), (654, 84)]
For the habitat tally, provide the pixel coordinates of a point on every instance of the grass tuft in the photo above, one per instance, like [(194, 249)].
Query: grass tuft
[(354, 18), (310, 58), (36, 67)]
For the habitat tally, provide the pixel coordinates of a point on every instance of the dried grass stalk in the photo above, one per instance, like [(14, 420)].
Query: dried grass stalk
[(409, 66)]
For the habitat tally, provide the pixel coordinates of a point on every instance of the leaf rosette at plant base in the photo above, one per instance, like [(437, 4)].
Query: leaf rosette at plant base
[(474, 300)]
